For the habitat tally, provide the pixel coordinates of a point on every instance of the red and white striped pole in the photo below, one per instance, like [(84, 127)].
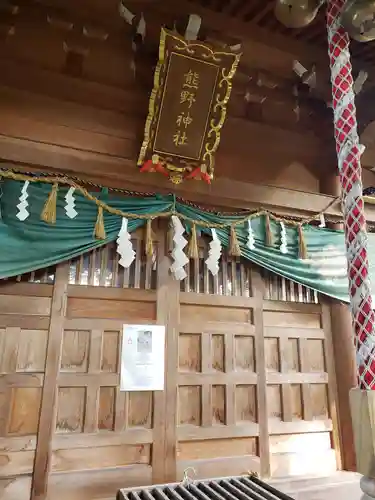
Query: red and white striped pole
[(349, 152)]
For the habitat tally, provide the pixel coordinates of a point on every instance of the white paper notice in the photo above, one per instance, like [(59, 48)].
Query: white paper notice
[(142, 358)]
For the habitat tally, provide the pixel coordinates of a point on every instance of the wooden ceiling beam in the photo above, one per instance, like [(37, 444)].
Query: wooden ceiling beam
[(247, 31), (121, 173), (107, 18), (32, 20), (261, 48), (263, 12), (133, 102), (33, 15)]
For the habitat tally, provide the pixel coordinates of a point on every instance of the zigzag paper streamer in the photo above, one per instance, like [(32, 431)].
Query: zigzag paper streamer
[(283, 238), (214, 254), (23, 213), (178, 254), (124, 245), (250, 236), (70, 210)]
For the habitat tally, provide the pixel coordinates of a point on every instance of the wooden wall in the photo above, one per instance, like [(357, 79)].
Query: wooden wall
[(78, 101), (76, 108), (105, 125), (249, 379)]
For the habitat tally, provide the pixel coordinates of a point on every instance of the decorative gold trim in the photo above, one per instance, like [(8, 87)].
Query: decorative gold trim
[(221, 99), (221, 106), (369, 199), (151, 104)]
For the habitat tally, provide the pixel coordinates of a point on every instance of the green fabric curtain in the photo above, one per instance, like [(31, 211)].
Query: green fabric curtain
[(32, 244), (325, 268)]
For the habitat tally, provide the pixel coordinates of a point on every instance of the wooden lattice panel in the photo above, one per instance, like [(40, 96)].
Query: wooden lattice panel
[(299, 394), (24, 323), (100, 267), (97, 425), (217, 414), (249, 382)]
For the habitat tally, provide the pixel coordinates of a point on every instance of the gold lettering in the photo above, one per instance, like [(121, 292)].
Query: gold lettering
[(188, 97), (180, 139), (191, 80), (184, 120)]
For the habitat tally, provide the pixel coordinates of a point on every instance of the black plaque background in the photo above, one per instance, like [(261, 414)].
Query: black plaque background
[(178, 66)]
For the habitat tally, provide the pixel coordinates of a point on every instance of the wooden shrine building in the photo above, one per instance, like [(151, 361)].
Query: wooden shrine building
[(258, 366)]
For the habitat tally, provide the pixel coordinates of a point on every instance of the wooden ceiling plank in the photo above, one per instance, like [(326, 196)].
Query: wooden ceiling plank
[(143, 68), (270, 22), (367, 49), (107, 18), (161, 11), (33, 16), (237, 7), (240, 29), (225, 6), (105, 15), (263, 13), (249, 8)]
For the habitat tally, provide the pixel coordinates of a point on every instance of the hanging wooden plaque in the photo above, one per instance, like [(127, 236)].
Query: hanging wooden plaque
[(187, 108)]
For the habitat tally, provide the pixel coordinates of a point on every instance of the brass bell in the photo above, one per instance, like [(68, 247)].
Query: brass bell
[(358, 19), (296, 13)]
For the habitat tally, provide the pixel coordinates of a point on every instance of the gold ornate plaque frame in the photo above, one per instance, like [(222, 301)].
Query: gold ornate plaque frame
[(219, 68)]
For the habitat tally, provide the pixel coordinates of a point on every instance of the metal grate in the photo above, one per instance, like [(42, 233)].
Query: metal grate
[(231, 488)]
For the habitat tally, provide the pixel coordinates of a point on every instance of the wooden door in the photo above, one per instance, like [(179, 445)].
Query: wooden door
[(221, 425), (249, 381), (300, 389), (24, 323)]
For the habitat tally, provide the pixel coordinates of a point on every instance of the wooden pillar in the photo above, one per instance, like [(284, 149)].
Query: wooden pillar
[(168, 314), (343, 348), (47, 416)]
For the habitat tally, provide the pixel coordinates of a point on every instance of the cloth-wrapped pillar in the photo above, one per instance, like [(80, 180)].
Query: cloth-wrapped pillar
[(349, 152)]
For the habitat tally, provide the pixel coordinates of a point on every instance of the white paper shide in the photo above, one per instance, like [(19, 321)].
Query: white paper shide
[(250, 236), (70, 209), (23, 213), (124, 245), (283, 239), (214, 254), (142, 358), (178, 254)]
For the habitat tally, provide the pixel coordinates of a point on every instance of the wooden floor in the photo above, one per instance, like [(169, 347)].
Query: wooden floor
[(341, 486)]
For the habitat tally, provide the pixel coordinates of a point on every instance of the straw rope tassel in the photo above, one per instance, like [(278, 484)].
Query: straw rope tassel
[(193, 244), (49, 210), (302, 247), (73, 183), (268, 230), (234, 248), (149, 242), (99, 226)]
